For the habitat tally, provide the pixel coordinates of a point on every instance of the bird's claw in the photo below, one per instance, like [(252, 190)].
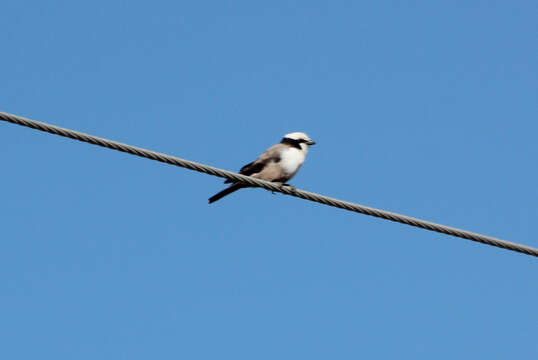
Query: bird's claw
[(288, 186), (283, 185)]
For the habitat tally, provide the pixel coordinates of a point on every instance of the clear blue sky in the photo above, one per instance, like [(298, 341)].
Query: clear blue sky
[(427, 108)]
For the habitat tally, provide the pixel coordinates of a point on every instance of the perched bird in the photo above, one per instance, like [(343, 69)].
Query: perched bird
[(277, 164)]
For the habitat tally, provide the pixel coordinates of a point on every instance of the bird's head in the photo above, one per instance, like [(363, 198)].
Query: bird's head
[(298, 139)]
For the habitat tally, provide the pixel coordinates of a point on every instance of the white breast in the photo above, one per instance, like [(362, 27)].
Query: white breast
[(291, 160)]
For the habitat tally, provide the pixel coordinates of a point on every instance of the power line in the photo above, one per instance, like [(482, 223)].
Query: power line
[(191, 165)]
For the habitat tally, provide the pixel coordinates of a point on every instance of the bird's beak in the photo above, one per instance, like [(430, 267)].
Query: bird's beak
[(310, 142)]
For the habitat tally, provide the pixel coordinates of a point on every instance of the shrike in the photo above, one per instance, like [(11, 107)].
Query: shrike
[(277, 164)]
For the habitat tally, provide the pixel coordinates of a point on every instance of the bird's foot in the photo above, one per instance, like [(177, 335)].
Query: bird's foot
[(288, 186), (284, 185)]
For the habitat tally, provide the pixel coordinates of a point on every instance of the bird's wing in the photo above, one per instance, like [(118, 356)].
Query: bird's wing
[(270, 155)]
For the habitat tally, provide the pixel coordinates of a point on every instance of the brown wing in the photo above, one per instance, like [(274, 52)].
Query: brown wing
[(270, 155)]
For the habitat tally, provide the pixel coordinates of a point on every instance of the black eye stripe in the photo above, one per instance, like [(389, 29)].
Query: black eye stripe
[(293, 142)]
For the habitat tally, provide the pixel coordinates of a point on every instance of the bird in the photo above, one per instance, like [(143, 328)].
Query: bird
[(277, 164)]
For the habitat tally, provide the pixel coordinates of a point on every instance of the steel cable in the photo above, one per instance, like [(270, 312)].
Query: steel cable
[(191, 165)]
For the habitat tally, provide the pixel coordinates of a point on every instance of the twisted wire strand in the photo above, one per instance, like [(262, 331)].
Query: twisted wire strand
[(191, 165)]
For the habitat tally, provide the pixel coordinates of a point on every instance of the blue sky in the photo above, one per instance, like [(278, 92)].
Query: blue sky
[(426, 108)]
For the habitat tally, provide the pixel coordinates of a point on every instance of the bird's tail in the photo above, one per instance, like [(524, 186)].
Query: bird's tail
[(230, 189)]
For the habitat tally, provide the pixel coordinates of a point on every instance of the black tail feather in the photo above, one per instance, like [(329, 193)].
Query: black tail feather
[(230, 189)]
